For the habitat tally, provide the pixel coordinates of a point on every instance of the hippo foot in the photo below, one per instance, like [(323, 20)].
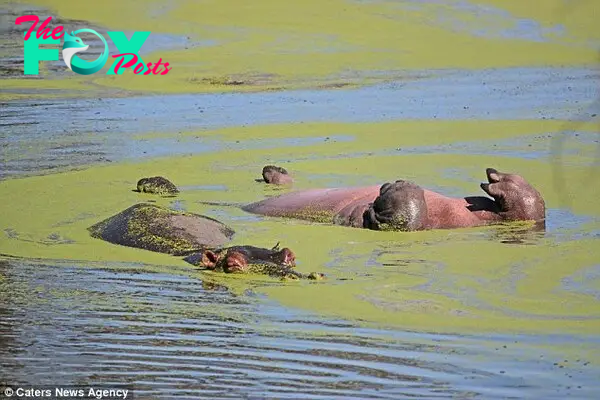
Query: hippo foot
[(400, 206), (516, 198)]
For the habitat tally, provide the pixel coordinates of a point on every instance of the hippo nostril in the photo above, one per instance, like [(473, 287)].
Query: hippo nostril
[(235, 264)]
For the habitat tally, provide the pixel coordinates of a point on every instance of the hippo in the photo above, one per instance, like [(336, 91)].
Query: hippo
[(155, 228), (198, 238), (276, 175), (404, 206), (249, 259), (156, 185)]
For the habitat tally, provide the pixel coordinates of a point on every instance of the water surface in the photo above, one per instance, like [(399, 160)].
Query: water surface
[(175, 336), (494, 312)]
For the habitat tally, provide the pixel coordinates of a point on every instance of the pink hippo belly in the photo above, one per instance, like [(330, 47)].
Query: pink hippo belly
[(314, 204)]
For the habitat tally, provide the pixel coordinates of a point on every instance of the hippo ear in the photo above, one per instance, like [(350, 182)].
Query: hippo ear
[(267, 173), (400, 206), (209, 259), (276, 247), (288, 257)]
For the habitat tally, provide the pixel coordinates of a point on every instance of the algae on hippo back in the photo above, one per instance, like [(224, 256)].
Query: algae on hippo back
[(200, 238), (154, 228)]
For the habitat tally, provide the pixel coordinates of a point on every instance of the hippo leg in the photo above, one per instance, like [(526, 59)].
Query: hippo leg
[(400, 206), (517, 200), (352, 215)]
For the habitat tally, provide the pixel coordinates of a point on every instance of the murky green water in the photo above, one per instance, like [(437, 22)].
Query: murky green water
[(496, 312)]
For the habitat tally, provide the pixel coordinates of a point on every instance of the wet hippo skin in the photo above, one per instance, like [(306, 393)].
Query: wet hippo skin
[(274, 262), (199, 238), (156, 185), (405, 206), (276, 175)]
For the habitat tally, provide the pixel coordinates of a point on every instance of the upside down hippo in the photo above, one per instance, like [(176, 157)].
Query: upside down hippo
[(404, 206)]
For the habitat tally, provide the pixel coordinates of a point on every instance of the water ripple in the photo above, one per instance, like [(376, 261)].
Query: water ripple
[(176, 336)]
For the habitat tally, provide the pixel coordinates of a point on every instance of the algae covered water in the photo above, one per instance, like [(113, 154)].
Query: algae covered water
[(494, 312)]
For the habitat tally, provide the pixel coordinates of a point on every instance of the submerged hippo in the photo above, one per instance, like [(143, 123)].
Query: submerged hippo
[(250, 259), (276, 175), (200, 238), (405, 206), (151, 227), (157, 185)]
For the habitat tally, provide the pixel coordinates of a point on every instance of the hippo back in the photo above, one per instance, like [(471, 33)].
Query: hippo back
[(151, 227)]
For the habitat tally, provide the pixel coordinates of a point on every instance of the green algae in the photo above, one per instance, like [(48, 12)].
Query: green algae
[(278, 271), (577, 18), (316, 44), (490, 279), (464, 287), (309, 214)]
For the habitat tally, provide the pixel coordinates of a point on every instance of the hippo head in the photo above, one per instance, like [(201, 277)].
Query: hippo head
[(254, 260), (400, 206), (141, 183), (516, 198), (275, 175), (157, 185), (239, 259)]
